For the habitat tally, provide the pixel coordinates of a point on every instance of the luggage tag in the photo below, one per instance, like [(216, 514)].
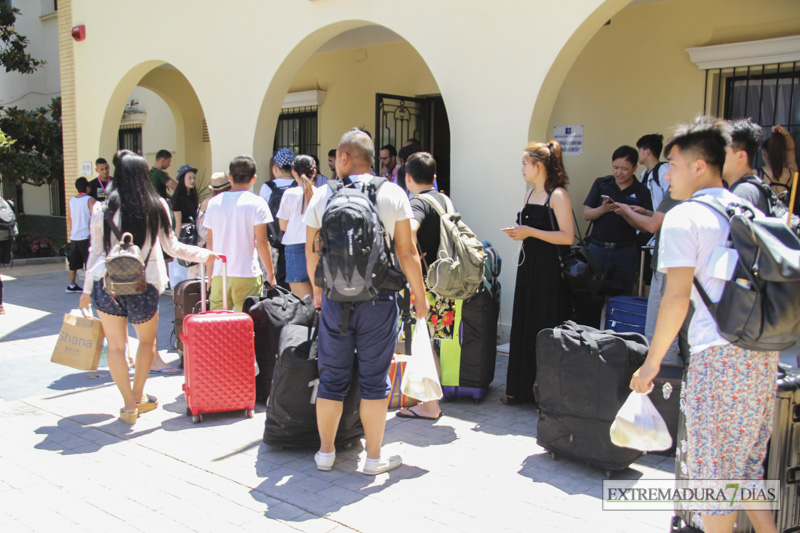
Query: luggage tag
[(723, 262)]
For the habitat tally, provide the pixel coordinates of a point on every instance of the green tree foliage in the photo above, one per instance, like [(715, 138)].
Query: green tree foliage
[(30, 140), (13, 56), (36, 155)]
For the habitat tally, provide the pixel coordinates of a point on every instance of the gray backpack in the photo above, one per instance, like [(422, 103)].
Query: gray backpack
[(457, 271), (356, 259), (125, 269)]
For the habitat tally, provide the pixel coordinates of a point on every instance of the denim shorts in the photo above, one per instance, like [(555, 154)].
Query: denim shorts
[(296, 271), (139, 308)]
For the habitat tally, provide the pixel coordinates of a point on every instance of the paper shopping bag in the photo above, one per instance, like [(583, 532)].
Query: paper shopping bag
[(396, 371), (80, 342)]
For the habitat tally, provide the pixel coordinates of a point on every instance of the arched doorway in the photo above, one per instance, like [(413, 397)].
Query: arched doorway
[(336, 80), (158, 103)]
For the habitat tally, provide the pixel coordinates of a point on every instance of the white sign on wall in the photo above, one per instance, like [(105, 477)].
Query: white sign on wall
[(570, 138), (86, 169)]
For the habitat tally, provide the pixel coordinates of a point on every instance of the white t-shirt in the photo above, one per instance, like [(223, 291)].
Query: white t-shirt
[(689, 235), (291, 205), (282, 183), (657, 190), (392, 204), (232, 217), (80, 218)]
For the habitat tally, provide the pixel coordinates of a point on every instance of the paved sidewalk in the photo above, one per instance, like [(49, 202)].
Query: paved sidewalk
[(67, 464)]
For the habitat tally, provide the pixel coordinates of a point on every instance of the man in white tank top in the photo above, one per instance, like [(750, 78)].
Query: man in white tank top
[(80, 215)]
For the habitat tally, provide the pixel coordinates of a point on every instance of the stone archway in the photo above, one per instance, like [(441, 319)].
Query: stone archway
[(192, 143)]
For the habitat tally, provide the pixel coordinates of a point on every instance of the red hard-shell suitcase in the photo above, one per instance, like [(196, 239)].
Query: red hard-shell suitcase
[(219, 359)]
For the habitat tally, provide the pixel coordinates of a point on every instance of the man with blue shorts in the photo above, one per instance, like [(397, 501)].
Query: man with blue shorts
[(372, 325)]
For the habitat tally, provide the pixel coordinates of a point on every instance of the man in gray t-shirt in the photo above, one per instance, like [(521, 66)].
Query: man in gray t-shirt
[(739, 158)]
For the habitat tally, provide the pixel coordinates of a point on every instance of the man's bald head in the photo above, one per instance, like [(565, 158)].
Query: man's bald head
[(359, 147)]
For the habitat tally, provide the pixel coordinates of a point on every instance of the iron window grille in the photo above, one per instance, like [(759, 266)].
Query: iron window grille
[(768, 94), (297, 130)]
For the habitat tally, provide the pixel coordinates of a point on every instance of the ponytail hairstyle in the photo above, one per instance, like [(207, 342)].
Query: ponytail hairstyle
[(305, 171), (141, 211), (550, 155), (775, 146)]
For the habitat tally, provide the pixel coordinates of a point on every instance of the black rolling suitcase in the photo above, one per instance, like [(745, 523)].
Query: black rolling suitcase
[(186, 297), (781, 463), (583, 378), (666, 398), (468, 361), (270, 313), (291, 406)]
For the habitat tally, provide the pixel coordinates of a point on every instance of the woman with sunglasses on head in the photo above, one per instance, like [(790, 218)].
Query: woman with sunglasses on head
[(541, 299), (134, 207)]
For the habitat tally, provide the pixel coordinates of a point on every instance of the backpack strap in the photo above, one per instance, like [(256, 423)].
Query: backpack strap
[(119, 235), (372, 187), (653, 174), (428, 198)]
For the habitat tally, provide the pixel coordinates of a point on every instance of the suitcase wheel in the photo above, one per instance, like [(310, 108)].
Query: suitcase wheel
[(476, 401), (197, 418), (248, 412), (553, 455), (608, 474), (188, 412)]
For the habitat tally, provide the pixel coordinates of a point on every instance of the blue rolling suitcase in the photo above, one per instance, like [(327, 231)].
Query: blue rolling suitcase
[(626, 314)]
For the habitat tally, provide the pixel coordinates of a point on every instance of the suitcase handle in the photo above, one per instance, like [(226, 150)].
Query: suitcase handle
[(224, 260), (791, 475)]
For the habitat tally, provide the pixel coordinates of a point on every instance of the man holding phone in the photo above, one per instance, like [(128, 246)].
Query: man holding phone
[(612, 241)]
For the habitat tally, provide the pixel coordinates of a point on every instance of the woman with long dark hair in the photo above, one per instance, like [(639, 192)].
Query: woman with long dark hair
[(290, 217), (780, 163), (541, 299), (184, 200), (134, 207)]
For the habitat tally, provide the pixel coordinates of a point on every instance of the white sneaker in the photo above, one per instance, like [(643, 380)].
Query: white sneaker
[(324, 462), (373, 468)]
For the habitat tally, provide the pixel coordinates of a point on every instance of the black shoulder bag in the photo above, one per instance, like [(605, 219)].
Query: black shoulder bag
[(579, 270)]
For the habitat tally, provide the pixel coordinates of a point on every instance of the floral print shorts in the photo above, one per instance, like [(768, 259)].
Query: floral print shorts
[(729, 403)]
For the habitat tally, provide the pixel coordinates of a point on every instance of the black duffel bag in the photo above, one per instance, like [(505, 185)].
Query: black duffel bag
[(271, 313), (582, 379), (291, 406)]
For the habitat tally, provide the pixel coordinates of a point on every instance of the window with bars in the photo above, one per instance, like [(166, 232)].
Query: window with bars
[(297, 130), (58, 207), (767, 94), (130, 138)]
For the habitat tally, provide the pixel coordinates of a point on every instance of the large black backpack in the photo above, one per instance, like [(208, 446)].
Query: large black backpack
[(777, 208), (760, 305), (274, 232), (356, 259)]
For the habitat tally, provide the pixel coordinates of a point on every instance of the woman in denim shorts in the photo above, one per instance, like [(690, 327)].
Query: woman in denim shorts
[(137, 210), (290, 217)]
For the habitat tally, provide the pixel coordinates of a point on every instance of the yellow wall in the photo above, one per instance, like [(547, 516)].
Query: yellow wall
[(635, 77), (351, 85)]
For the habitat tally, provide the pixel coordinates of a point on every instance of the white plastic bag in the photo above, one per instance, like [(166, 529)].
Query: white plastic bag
[(421, 380), (639, 425)]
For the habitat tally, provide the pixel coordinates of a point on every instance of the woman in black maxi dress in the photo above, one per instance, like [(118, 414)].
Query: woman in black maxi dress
[(541, 299)]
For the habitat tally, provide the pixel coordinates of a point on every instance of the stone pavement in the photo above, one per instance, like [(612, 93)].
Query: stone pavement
[(67, 464)]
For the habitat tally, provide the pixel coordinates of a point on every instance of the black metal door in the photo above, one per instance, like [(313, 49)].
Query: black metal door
[(400, 118)]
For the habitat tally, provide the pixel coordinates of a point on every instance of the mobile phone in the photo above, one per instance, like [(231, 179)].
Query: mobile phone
[(607, 197)]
